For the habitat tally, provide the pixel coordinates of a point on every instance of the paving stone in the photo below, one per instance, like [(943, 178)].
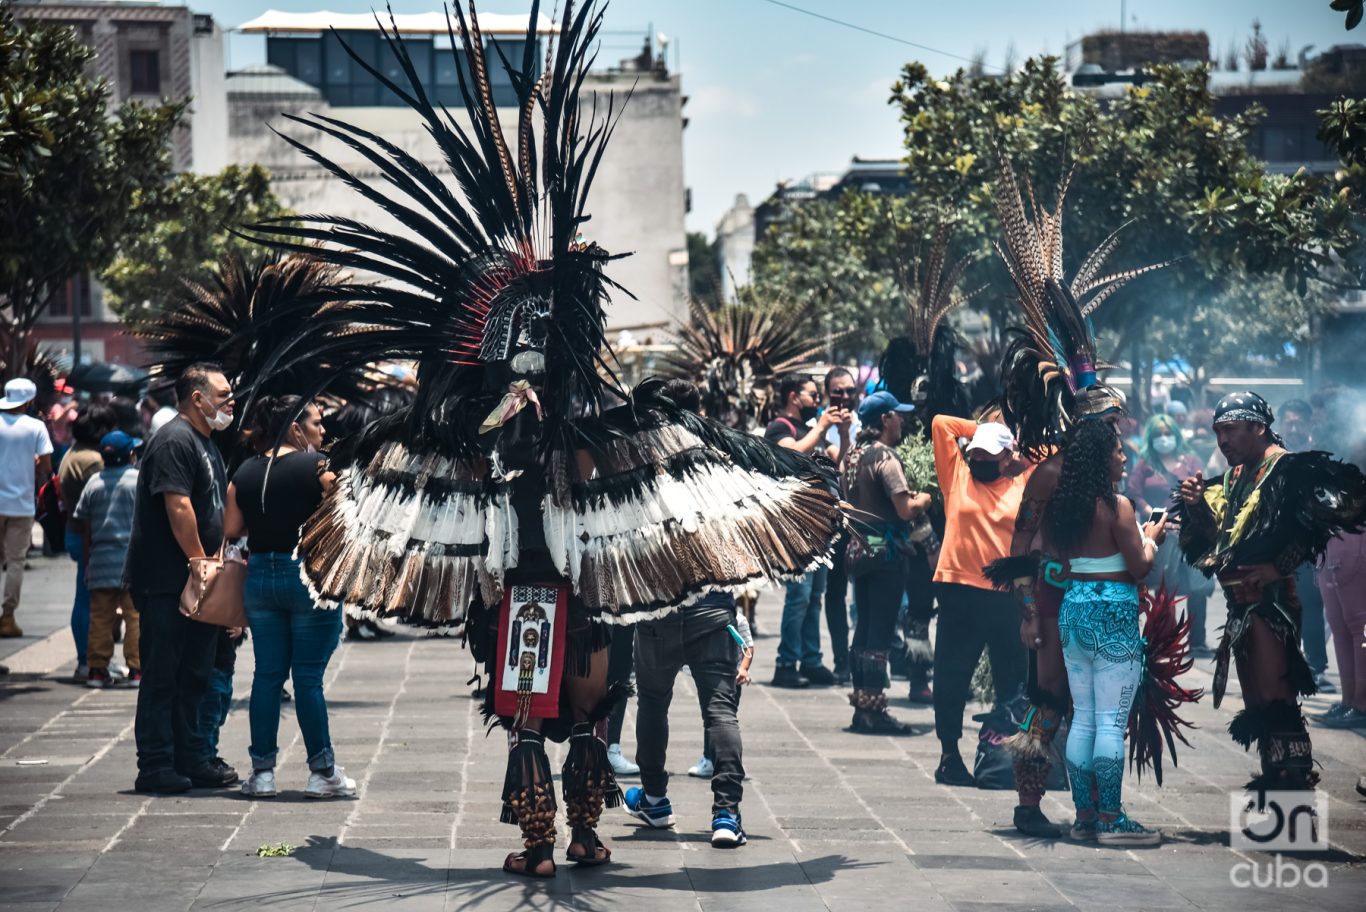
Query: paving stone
[(836, 822)]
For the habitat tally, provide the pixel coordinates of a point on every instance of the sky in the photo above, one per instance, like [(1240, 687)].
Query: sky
[(774, 94)]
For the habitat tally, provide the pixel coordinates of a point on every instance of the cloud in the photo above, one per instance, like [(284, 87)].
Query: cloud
[(717, 100)]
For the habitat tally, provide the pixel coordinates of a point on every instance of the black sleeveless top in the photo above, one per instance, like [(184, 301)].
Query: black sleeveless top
[(293, 492)]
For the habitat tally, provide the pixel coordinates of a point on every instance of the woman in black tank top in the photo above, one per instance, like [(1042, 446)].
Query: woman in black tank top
[(270, 497)]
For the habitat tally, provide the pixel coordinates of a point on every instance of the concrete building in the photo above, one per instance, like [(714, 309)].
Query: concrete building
[(147, 52), (638, 200), (735, 240), (741, 227)]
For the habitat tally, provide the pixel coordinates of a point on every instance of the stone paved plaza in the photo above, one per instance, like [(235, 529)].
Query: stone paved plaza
[(836, 821)]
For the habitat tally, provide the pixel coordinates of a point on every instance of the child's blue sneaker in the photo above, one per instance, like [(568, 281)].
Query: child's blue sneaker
[(660, 814), (726, 832)]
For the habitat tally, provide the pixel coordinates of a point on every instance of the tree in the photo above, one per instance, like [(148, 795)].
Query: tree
[(704, 274), (1156, 158), (69, 171), (183, 234)]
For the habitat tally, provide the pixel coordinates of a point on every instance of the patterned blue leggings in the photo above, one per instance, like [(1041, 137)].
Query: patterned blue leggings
[(1104, 657)]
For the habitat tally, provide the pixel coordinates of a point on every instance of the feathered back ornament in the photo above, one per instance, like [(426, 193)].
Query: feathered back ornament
[(237, 318), (490, 281), (736, 353), (919, 366), (1049, 366)]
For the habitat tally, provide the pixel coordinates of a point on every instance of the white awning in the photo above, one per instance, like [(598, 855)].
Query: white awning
[(408, 23)]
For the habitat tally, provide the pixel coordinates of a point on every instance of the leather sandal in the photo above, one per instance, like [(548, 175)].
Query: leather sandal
[(532, 859), (587, 860)]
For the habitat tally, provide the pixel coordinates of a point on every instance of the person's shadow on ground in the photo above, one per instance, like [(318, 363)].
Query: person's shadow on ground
[(368, 876)]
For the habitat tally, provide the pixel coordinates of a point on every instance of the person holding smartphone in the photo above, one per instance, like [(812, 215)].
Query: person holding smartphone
[(1165, 460), (1251, 529)]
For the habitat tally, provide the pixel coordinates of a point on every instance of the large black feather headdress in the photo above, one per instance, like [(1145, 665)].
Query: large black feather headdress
[(490, 284), (241, 313), (920, 366), (1048, 372), (736, 353)]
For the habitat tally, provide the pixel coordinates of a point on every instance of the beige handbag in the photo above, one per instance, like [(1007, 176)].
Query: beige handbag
[(214, 593)]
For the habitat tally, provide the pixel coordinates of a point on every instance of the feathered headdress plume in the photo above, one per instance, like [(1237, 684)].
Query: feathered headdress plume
[(237, 318), (477, 278), (736, 353), (919, 366), (1049, 367)]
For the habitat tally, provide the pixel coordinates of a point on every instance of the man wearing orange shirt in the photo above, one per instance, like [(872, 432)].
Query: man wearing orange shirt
[(982, 484)]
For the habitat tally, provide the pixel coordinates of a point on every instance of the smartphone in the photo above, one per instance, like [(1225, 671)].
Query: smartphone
[(1157, 516)]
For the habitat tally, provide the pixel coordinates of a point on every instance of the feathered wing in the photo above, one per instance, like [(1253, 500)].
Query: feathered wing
[(1154, 725), (678, 506)]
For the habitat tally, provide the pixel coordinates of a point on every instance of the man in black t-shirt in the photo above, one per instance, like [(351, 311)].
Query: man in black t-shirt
[(178, 516)]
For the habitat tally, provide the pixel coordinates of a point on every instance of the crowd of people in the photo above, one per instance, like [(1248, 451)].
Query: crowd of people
[(580, 533)]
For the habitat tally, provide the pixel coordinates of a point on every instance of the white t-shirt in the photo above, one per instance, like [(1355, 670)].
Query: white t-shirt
[(22, 439)]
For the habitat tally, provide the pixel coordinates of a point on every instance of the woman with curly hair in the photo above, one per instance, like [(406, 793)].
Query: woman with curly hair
[(1096, 533)]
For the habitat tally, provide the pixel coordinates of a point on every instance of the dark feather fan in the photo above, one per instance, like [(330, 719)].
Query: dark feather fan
[(472, 273), (1154, 726), (736, 353), (38, 365), (241, 313), (920, 366), (1053, 357)]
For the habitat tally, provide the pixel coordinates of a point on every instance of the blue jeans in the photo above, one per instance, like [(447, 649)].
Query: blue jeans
[(799, 638), (288, 635), (1103, 653), (213, 711), (80, 605)]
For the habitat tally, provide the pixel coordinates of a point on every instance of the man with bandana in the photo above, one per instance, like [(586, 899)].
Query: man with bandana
[(1252, 527)]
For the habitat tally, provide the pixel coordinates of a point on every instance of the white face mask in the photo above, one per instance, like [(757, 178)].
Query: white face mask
[(1166, 444), (219, 420)]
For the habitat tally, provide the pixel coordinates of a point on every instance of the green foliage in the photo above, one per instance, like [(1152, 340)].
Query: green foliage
[(1343, 128), (917, 458), (69, 170), (183, 233), (1247, 243), (704, 274), (275, 850), (842, 257)]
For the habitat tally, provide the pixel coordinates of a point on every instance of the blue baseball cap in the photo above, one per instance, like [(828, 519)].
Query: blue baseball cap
[(118, 446), (877, 404)]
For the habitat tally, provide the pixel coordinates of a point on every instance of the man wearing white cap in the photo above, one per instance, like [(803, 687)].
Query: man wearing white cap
[(25, 456)]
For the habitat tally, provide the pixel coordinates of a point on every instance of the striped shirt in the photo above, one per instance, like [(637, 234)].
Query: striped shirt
[(107, 504)]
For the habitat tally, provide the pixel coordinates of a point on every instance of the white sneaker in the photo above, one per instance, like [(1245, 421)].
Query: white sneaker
[(702, 769), (338, 786), (260, 784), (620, 765)]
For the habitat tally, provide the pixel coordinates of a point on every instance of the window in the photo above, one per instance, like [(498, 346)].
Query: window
[(75, 289), (309, 62), (144, 72)]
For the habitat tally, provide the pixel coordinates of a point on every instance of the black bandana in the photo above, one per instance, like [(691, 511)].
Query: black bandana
[(1246, 406)]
